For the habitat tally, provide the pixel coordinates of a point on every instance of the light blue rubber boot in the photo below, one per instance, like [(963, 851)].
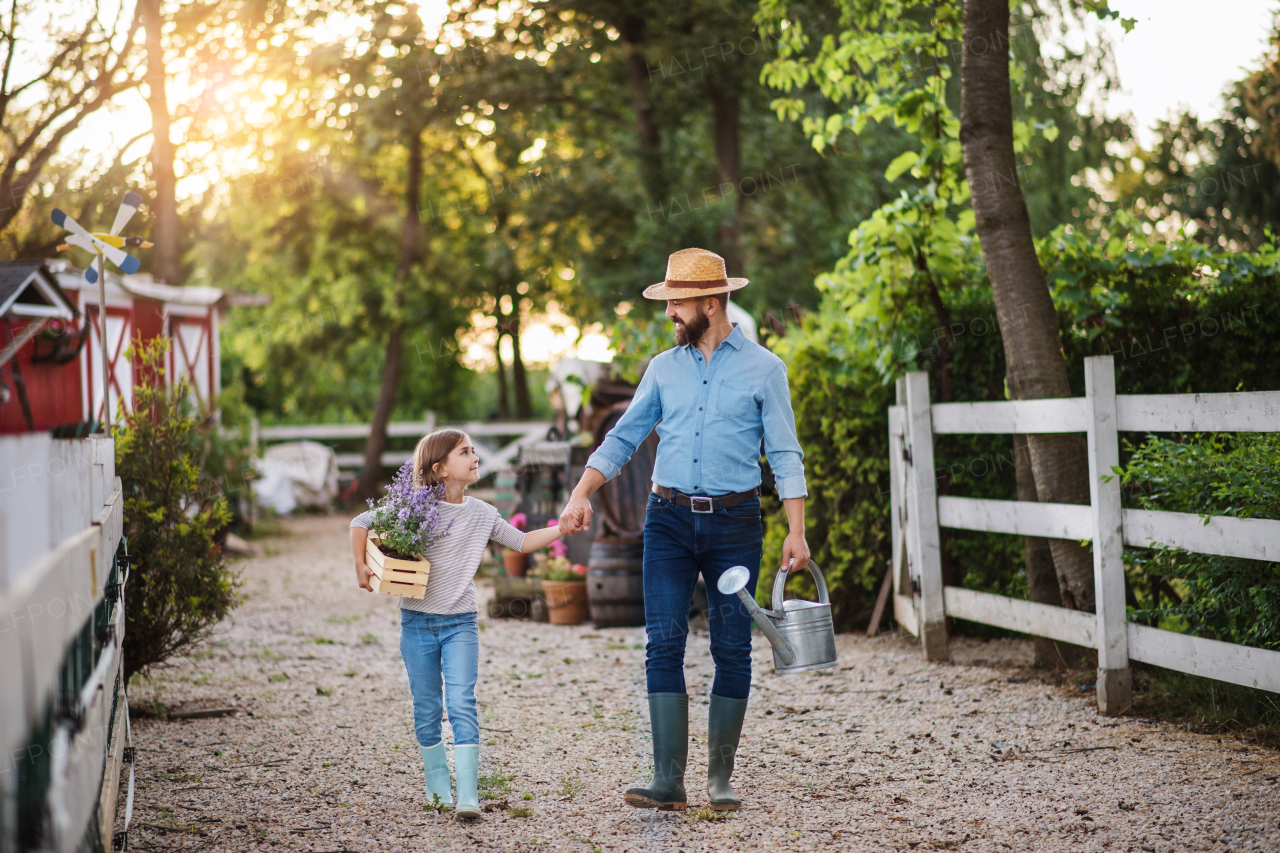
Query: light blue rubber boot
[(466, 763), (436, 767)]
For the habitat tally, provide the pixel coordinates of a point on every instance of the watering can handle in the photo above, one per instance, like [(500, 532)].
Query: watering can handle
[(779, 582)]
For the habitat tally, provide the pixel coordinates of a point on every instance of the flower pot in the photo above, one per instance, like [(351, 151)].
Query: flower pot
[(394, 576), (514, 562), (566, 601)]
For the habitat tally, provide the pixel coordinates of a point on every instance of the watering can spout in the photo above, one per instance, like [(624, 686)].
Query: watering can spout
[(734, 582)]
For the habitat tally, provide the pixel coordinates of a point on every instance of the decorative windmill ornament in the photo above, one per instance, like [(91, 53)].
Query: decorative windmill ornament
[(110, 246)]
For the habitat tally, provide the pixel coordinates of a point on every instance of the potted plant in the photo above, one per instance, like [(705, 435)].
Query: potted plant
[(564, 587), (515, 562), (405, 522)]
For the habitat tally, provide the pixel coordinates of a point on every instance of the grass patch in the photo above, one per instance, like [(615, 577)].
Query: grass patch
[(520, 811), (1206, 705), (527, 796), (492, 787), (324, 691), (280, 676), (368, 639), (570, 787), (323, 641)]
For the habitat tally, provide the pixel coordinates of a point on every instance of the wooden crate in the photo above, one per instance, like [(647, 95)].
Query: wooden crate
[(393, 576)]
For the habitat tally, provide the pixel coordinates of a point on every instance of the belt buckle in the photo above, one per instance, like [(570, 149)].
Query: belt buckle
[(710, 504)]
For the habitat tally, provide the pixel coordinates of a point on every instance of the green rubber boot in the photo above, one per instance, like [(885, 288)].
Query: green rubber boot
[(669, 718), (436, 767), (466, 763), (724, 728)]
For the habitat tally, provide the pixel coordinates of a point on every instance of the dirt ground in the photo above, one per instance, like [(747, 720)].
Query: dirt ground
[(884, 752)]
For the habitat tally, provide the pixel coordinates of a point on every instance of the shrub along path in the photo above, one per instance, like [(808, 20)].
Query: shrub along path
[(885, 752)]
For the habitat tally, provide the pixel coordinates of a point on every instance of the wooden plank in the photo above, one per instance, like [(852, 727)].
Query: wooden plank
[(897, 513), (409, 590), (922, 518), (1024, 518), (1249, 538), (390, 459), (886, 586), (1250, 667), (897, 415), (1029, 617), (1115, 684), (418, 578), (904, 613), (1010, 416), (1250, 411)]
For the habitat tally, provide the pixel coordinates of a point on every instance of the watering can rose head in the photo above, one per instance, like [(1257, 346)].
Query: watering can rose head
[(407, 519)]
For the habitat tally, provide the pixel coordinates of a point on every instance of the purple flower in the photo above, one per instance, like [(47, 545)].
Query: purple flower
[(408, 517)]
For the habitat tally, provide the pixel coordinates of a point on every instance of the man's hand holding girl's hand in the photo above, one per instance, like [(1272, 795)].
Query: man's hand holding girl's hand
[(576, 516)]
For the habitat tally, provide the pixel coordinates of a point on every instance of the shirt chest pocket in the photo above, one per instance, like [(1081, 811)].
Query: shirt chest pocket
[(735, 399)]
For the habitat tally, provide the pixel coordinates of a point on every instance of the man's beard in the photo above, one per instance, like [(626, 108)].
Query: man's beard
[(690, 333)]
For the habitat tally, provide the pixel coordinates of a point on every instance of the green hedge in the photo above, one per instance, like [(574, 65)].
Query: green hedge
[(1177, 319), (1224, 598)]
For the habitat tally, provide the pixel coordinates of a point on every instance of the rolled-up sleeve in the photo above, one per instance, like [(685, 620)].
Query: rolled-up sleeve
[(364, 519), (781, 446), (631, 429)]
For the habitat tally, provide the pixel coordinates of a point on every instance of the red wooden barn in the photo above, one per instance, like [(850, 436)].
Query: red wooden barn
[(51, 349)]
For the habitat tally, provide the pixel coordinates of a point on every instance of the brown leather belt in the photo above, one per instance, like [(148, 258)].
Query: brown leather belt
[(704, 503)]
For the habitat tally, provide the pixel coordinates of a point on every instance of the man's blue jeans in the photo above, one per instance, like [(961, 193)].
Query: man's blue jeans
[(438, 647), (678, 545)]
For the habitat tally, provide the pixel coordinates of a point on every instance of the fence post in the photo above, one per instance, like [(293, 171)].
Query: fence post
[(1115, 684), (922, 517)]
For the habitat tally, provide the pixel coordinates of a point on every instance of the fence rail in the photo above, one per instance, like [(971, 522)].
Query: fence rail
[(493, 457), (922, 603)]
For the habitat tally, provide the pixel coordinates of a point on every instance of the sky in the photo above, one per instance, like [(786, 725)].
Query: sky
[(1182, 53)]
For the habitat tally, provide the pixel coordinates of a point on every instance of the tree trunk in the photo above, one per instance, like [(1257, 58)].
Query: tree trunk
[(1042, 580), (504, 408), (1028, 324), (726, 109), (165, 232), (631, 29), (409, 255), (524, 406)]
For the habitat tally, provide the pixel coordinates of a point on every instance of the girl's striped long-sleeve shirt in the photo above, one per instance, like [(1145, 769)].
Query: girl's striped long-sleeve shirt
[(455, 558)]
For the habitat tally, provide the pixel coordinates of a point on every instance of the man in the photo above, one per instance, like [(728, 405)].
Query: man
[(713, 398)]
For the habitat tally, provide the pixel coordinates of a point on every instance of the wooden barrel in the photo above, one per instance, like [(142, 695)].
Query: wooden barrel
[(615, 584)]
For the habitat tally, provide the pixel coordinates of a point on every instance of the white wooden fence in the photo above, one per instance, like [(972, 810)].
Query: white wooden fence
[(492, 457), (921, 602), (64, 718)]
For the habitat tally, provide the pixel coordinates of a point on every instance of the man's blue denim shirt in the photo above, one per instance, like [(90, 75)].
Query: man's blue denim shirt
[(710, 420)]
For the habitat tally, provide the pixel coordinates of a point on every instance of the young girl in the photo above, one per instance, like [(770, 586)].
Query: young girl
[(438, 635)]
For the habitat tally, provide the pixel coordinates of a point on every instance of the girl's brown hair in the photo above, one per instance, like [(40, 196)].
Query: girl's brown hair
[(434, 448)]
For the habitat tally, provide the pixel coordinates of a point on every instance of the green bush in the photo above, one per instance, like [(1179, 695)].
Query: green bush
[(179, 585), (1224, 598), (840, 403)]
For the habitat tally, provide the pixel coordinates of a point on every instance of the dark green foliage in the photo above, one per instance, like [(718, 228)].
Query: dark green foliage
[(179, 585), (1224, 598), (840, 405)]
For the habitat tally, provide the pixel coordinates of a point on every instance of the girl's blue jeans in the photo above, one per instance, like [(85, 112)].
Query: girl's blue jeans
[(680, 544), (442, 649)]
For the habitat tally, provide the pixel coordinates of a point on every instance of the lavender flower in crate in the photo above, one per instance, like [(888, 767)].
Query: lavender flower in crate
[(407, 519)]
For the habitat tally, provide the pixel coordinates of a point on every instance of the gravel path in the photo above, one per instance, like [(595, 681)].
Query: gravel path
[(885, 752)]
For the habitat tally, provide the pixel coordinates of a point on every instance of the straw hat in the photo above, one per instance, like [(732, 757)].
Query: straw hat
[(693, 273)]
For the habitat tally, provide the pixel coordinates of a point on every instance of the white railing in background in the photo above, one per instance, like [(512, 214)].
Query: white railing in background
[(921, 602), (492, 457), (61, 521)]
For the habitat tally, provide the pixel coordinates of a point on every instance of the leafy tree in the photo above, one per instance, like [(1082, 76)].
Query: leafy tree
[(44, 100)]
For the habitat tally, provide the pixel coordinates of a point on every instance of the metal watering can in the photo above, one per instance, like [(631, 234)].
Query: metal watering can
[(801, 632)]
